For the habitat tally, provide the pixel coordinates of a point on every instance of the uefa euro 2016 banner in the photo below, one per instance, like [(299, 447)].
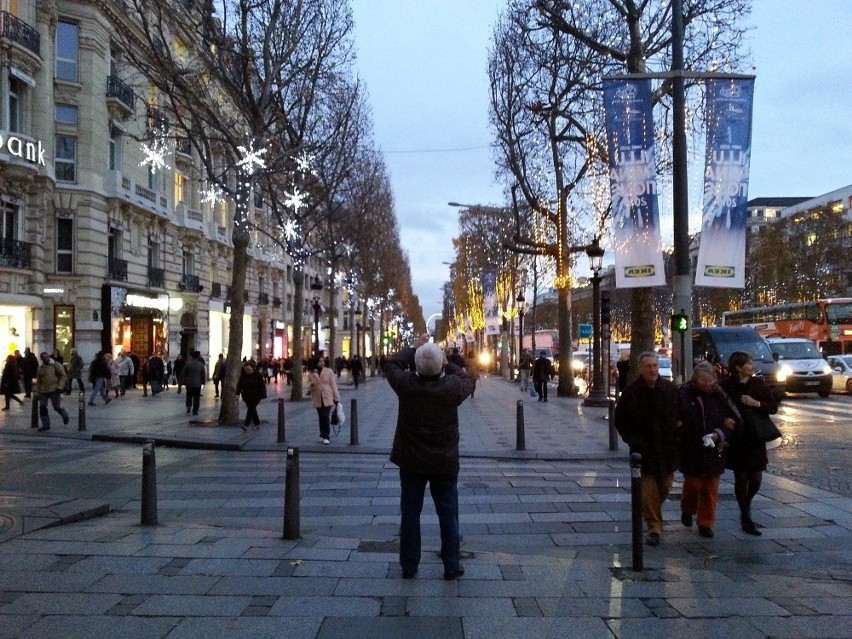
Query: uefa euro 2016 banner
[(489, 294), (630, 140), (721, 252), (633, 186)]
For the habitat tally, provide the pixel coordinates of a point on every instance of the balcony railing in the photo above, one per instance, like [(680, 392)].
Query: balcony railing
[(121, 92), (183, 146), (190, 283), (216, 290), (117, 269), (156, 277), (15, 254), (263, 298), (19, 31), (157, 119)]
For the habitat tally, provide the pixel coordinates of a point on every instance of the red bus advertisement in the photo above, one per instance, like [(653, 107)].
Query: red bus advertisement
[(827, 322)]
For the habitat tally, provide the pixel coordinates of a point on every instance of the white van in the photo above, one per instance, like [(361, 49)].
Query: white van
[(802, 365)]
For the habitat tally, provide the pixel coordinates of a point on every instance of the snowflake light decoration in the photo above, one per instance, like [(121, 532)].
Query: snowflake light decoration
[(252, 160), (212, 195), (296, 199), (291, 230), (155, 155), (303, 163)]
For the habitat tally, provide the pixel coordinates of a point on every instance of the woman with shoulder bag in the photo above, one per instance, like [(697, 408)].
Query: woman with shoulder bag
[(746, 454), (324, 394)]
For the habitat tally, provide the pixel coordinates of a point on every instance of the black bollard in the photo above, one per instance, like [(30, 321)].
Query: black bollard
[(81, 412), (636, 508), (281, 429), (34, 413), (291, 495), (520, 435), (353, 422), (149, 484), (613, 434)]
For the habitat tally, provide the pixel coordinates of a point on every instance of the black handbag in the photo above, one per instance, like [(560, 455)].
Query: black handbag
[(759, 425)]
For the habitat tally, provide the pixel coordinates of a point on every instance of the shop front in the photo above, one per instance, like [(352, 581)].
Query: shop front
[(14, 328), (220, 321), (139, 321)]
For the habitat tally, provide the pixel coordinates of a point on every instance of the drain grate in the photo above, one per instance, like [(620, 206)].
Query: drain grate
[(378, 546)]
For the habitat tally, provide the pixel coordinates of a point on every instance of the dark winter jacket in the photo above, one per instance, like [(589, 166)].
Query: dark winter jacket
[(427, 427), (252, 386), (646, 418), (99, 369), (747, 453), (703, 414), (542, 370), (10, 382), (193, 373)]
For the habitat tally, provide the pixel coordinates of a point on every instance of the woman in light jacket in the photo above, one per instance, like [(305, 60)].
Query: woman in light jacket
[(324, 395)]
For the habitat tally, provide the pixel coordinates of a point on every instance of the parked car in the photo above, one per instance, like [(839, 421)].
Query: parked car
[(666, 367), (802, 365), (841, 372)]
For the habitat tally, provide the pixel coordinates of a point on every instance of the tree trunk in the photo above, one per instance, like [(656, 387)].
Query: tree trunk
[(642, 326), (297, 392), (229, 409)]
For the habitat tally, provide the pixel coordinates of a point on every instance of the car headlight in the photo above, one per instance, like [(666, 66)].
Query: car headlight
[(783, 373), (484, 358), (827, 370), (577, 365)]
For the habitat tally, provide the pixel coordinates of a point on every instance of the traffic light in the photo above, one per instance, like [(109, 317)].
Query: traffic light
[(680, 323), (606, 314)]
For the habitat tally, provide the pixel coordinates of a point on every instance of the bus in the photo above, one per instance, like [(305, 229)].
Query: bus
[(827, 322)]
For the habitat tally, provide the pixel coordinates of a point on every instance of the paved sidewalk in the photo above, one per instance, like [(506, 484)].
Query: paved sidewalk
[(546, 534)]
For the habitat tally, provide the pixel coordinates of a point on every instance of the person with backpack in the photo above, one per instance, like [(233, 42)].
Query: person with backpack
[(50, 380)]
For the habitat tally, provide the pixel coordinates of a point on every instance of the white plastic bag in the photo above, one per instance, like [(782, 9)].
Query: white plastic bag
[(338, 417)]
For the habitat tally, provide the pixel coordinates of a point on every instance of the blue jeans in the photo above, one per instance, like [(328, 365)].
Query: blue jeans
[(445, 496), (99, 388)]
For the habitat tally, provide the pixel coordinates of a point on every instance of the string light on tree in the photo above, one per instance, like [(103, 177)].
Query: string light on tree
[(291, 230), (252, 160), (155, 155), (212, 195), (296, 199), (303, 163)]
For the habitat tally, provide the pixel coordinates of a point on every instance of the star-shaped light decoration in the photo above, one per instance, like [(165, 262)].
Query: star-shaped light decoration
[(155, 155), (291, 230), (252, 160), (212, 195), (303, 163), (296, 199)]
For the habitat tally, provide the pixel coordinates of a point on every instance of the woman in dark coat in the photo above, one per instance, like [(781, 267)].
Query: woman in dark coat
[(10, 382), (708, 417), (252, 386), (746, 455)]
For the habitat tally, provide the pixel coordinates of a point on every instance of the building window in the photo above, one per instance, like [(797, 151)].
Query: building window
[(66, 114), (65, 245), (153, 179), (115, 145), (180, 184), (10, 220), (187, 263), (65, 164), (63, 329), (14, 105), (114, 244), (153, 253), (67, 50)]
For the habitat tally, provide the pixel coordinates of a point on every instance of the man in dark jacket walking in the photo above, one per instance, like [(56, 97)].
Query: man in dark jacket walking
[(426, 449), (252, 387), (192, 376), (542, 373), (646, 417), (29, 366)]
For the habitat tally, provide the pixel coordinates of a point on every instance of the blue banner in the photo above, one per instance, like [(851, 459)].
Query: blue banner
[(489, 295), (633, 186), (721, 251)]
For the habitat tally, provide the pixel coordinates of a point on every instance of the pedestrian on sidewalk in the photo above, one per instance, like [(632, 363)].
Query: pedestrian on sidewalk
[(322, 384), (10, 381), (524, 368), (646, 418), (220, 369), (192, 376), (114, 375), (746, 454), (472, 370), (126, 372), (99, 375), (177, 369), (542, 373), (29, 367), (50, 380), (252, 387), (356, 368), (75, 372), (426, 449), (709, 417)]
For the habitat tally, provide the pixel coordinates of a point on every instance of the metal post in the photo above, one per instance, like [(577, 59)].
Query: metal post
[(34, 412), (291, 495), (636, 508), (281, 425), (597, 393), (353, 422), (520, 435), (613, 434), (149, 484), (81, 412)]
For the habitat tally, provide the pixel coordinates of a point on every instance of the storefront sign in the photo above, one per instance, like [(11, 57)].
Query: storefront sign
[(29, 150)]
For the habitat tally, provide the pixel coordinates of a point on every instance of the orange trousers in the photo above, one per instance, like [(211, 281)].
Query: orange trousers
[(700, 496), (655, 491)]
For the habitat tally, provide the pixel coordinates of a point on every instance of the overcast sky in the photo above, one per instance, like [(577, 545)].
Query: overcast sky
[(424, 64)]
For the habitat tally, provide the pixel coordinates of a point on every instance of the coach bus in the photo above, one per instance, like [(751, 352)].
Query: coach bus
[(827, 322)]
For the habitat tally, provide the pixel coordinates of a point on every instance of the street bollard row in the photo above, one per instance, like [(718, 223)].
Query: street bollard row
[(291, 495), (353, 422), (149, 484)]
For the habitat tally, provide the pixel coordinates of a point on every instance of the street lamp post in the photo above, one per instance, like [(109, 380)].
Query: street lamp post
[(358, 337), (519, 300), (597, 395), (316, 287)]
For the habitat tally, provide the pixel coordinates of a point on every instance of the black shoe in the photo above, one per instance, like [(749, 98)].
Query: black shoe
[(653, 539), (187, 411), (7, 408), (750, 528), (409, 574), (43, 428), (545, 399), (686, 520), (65, 418), (705, 531), (450, 575)]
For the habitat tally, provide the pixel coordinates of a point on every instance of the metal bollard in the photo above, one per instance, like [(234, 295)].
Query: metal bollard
[(34, 413), (81, 412), (291, 495), (353, 422), (613, 434), (636, 508), (149, 484), (520, 435), (281, 427)]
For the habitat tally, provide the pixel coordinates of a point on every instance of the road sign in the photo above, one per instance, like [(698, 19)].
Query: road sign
[(585, 331)]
